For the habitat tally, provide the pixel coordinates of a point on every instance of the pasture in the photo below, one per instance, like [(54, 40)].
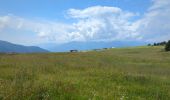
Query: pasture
[(138, 73)]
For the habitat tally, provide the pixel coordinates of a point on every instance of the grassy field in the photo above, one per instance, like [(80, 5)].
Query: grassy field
[(140, 73)]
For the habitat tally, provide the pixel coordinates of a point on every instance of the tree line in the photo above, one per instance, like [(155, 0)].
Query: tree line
[(164, 43)]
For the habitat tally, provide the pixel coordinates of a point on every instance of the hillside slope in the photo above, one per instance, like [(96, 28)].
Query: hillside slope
[(10, 47), (140, 73)]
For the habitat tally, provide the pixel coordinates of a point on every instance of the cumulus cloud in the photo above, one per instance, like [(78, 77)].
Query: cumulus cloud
[(95, 11), (103, 23), (155, 25), (43, 29), (4, 22), (99, 23), (92, 24)]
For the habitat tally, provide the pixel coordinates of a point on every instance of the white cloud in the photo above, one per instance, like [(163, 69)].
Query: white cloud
[(4, 21), (159, 4), (95, 11), (103, 23), (155, 25), (53, 31), (93, 24), (99, 23)]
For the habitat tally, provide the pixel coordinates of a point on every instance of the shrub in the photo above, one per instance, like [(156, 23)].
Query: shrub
[(167, 46)]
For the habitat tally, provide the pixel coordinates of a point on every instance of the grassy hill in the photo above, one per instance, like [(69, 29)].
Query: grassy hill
[(140, 73)]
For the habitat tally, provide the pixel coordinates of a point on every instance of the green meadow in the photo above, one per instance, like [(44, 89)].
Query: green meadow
[(138, 73)]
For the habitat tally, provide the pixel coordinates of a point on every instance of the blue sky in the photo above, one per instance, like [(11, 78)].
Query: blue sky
[(32, 22), (54, 9)]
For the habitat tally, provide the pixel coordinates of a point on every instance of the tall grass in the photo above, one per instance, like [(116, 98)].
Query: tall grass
[(141, 73)]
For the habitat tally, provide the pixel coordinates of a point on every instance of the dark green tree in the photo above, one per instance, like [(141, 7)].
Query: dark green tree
[(155, 44), (167, 46), (149, 44)]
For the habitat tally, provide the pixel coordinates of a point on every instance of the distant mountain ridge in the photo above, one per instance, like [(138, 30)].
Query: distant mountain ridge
[(89, 45), (7, 47)]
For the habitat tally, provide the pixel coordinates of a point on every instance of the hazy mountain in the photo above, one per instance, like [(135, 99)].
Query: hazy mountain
[(89, 45), (10, 47)]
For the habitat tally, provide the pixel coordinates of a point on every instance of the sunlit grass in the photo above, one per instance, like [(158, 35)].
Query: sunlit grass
[(141, 73)]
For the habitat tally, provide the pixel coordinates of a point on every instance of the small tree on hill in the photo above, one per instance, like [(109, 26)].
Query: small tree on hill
[(149, 44), (167, 46), (155, 44)]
